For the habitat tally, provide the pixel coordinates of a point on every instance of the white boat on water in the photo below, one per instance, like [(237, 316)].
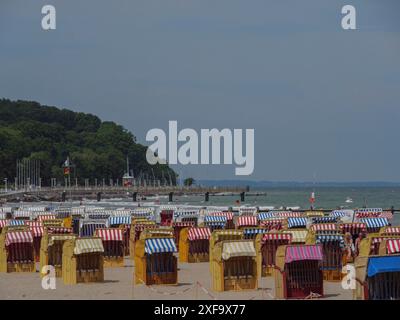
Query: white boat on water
[(349, 200)]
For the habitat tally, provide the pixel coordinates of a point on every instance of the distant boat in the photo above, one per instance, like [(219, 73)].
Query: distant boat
[(349, 200)]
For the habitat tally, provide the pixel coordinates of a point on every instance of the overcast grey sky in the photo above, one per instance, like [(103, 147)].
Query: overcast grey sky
[(322, 100)]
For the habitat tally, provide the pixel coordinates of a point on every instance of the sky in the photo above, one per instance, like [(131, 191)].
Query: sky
[(323, 101)]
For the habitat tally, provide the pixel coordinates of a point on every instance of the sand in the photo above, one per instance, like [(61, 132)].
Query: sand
[(118, 284)]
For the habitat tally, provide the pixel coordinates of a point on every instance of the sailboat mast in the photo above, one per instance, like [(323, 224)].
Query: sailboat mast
[(127, 165)]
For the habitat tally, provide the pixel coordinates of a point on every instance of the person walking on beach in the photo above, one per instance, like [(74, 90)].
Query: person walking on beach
[(361, 236), (348, 248)]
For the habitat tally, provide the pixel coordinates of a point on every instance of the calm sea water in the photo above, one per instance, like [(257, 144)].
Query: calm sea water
[(326, 197)]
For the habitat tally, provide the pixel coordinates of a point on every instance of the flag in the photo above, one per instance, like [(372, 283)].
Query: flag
[(312, 198), (66, 166), (66, 163), (66, 171)]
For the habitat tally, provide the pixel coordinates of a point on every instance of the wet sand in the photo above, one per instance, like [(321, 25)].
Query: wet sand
[(118, 284)]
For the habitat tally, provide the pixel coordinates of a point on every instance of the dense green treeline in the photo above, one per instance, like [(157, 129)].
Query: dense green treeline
[(98, 149)]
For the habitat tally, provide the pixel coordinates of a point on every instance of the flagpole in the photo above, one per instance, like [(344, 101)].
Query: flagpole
[(313, 193)]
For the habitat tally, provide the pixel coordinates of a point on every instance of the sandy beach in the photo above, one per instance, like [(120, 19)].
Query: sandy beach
[(118, 284)]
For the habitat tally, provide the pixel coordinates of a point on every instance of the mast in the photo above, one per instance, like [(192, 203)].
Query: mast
[(127, 165)]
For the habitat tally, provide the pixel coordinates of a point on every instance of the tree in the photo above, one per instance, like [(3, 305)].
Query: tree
[(97, 148), (189, 182)]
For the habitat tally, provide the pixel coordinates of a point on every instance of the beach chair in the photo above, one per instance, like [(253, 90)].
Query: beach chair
[(221, 235), (314, 214), (87, 228), (374, 225), (266, 246), (155, 263), (53, 223), (216, 222), (295, 223), (390, 231), (252, 232), (324, 228), (17, 253), (136, 228), (354, 228), (186, 216), (371, 244), (234, 266), (51, 249), (299, 236), (123, 222), (113, 244), (178, 226), (377, 277), (325, 219), (287, 214), (298, 272), (330, 236), (166, 217), (48, 216), (389, 246), (82, 260), (194, 244), (333, 251), (275, 224), (246, 221), (368, 213), (3, 223), (229, 224), (37, 229), (247, 211)]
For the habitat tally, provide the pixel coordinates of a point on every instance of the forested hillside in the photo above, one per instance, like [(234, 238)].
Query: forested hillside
[(98, 149)]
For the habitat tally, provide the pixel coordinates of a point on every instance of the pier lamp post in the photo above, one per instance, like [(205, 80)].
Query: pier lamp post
[(5, 183)]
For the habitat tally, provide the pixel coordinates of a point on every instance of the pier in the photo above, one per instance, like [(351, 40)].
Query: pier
[(107, 192)]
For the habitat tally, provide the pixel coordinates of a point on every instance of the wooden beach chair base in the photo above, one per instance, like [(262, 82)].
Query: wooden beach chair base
[(194, 258), (267, 271), (240, 284), (90, 276), (21, 267)]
